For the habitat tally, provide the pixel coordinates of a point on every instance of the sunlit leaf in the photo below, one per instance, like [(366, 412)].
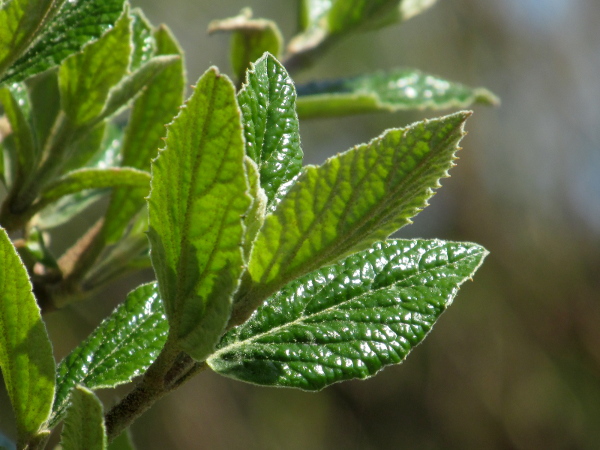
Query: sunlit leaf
[(25, 352), (268, 104), (196, 229), (122, 347), (75, 25), (349, 320), (397, 90)]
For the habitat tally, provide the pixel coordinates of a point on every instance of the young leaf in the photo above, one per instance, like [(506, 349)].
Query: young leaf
[(25, 352), (45, 104), (19, 22), (268, 104), (122, 347), (155, 107), (84, 425), (144, 44), (197, 199), (86, 78), (250, 39), (76, 24), (392, 91), (351, 319), (82, 179), (351, 201)]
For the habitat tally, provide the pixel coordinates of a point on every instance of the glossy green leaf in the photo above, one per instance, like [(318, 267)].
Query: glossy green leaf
[(82, 179), (144, 45), (250, 39), (268, 104), (25, 352), (84, 425), (155, 107), (349, 320), (352, 200), (386, 91), (16, 106), (76, 24), (197, 200), (323, 21), (122, 347), (20, 21), (85, 79)]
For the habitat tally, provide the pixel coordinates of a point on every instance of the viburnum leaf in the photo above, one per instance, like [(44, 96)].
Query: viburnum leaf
[(268, 103), (152, 109), (396, 90), (84, 425), (352, 200), (120, 348), (66, 31), (351, 319), (199, 194), (26, 357)]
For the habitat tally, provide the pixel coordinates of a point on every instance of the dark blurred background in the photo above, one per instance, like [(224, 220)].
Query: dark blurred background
[(515, 361)]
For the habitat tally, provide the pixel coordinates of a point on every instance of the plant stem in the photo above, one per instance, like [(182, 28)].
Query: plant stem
[(171, 369)]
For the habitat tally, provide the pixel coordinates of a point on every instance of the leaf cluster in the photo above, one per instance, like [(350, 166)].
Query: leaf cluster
[(267, 271)]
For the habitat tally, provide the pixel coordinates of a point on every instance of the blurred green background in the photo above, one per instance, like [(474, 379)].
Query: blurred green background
[(515, 362)]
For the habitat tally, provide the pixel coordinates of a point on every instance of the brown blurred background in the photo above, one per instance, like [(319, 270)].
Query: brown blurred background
[(515, 362)]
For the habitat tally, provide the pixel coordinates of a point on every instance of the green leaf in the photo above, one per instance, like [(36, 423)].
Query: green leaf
[(351, 201), (349, 320), (133, 84), (144, 44), (82, 179), (324, 21), (45, 104), (122, 347), (19, 22), (250, 39), (255, 216), (397, 90), (25, 352), (84, 425), (77, 24), (268, 104), (16, 107), (197, 200), (155, 107), (85, 79)]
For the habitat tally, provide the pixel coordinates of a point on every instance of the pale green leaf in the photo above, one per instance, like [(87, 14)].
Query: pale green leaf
[(82, 179), (352, 200), (25, 352), (323, 21), (132, 85), (20, 21), (397, 90), (250, 39), (268, 104), (197, 200), (85, 79), (122, 347), (155, 107), (84, 425), (349, 320), (76, 24), (144, 44)]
